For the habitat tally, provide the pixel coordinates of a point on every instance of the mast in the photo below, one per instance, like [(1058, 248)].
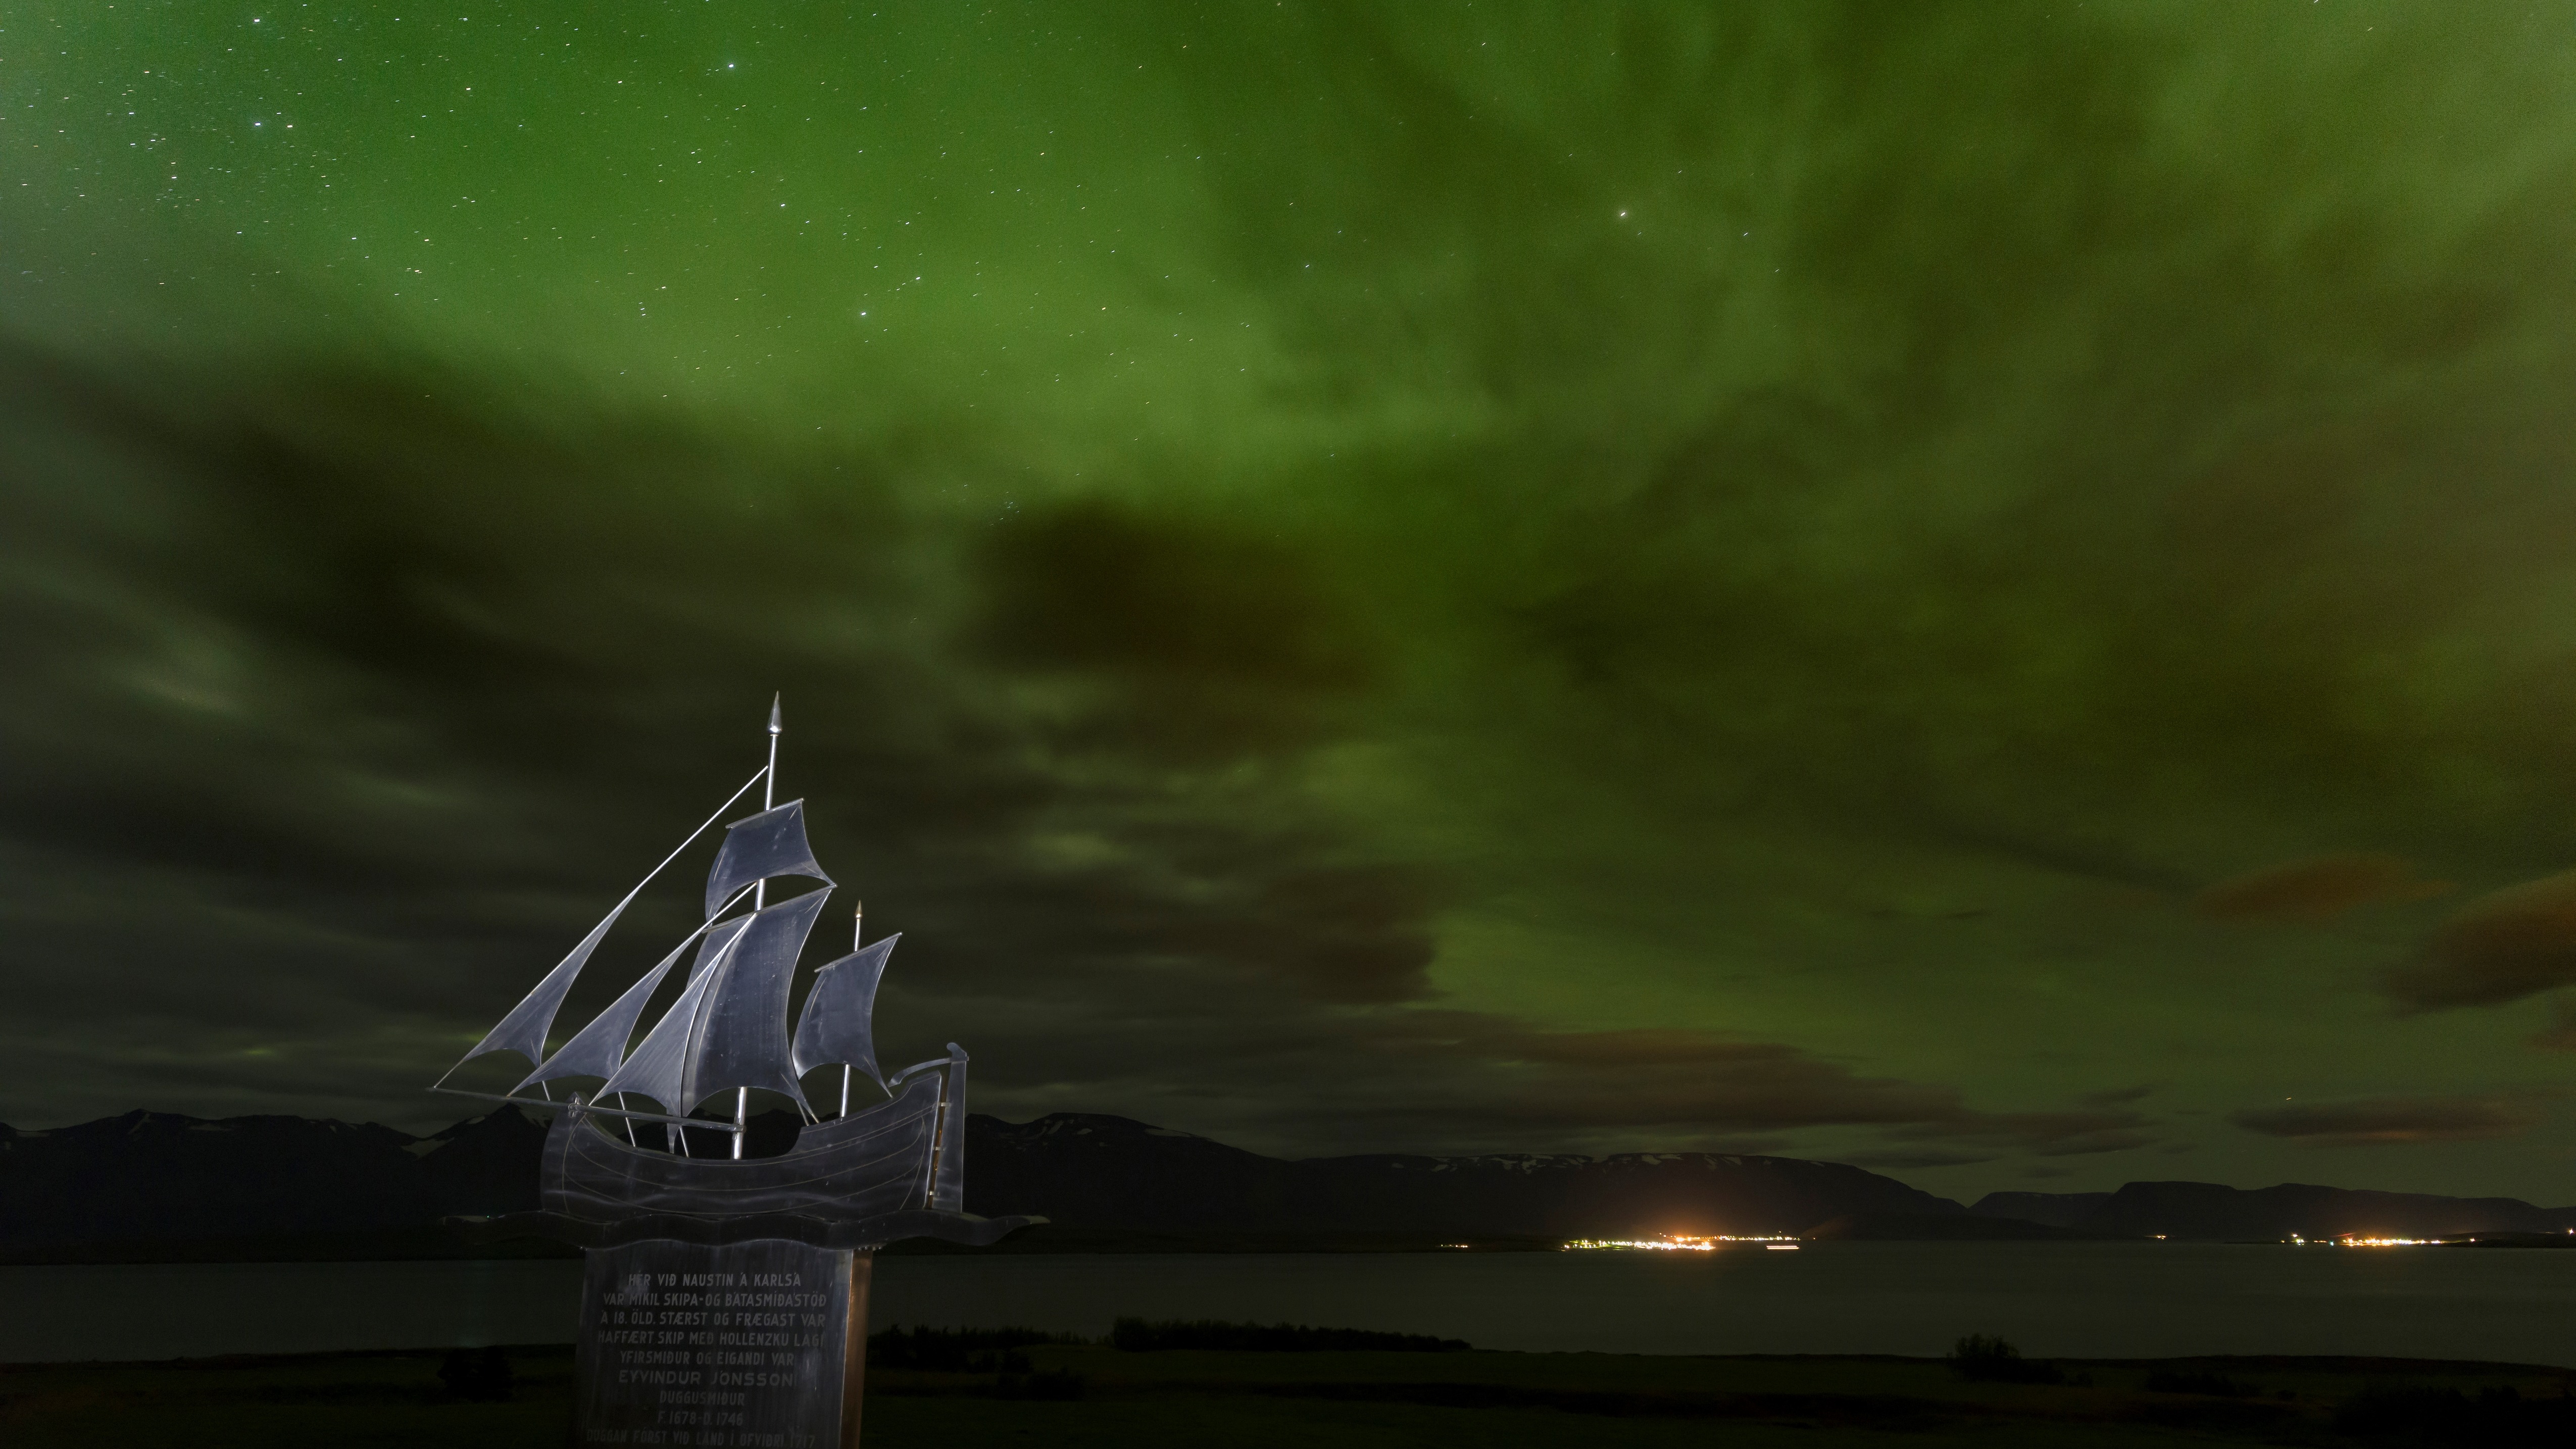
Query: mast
[(759, 898), (525, 1029), (730, 1024), (858, 932), (837, 1023)]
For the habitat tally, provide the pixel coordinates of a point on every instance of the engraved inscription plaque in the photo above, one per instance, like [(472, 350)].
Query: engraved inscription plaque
[(744, 1346)]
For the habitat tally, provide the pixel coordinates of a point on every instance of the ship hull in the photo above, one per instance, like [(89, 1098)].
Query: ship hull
[(869, 1164)]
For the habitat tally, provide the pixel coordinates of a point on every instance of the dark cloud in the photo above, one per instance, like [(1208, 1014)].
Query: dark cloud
[(379, 684), (1349, 576), (2502, 946), (382, 723), (2317, 888), (1088, 587), (1900, 1159), (2560, 1034), (1674, 1078), (1483, 1081), (2391, 1121), (2043, 1134)]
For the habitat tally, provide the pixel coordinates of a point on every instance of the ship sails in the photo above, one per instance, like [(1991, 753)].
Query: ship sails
[(835, 1027), (524, 1029), (728, 1030), (597, 1049), (889, 1169), (764, 847)]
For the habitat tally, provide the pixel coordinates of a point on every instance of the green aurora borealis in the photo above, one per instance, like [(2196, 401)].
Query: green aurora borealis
[(1985, 591)]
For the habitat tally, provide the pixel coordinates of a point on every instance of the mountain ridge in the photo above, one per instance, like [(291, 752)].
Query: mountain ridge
[(1090, 1170), (2207, 1210), (146, 1177)]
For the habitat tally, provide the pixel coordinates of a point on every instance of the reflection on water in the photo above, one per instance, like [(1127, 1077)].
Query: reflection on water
[(2089, 1300)]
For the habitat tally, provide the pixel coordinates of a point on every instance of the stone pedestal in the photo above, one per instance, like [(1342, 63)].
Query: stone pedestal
[(758, 1345)]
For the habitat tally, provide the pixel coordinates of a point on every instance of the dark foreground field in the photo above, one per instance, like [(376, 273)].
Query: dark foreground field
[(1354, 1399)]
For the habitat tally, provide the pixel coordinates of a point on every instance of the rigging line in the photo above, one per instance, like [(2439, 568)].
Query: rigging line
[(712, 922), (559, 1106), (694, 1034), (757, 776)]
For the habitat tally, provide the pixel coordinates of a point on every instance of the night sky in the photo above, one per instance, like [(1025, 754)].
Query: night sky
[(1984, 591)]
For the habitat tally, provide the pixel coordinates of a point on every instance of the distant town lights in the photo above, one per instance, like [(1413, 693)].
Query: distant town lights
[(1680, 1242)]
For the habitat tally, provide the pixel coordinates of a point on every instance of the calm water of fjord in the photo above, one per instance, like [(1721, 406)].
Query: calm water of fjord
[(2083, 1300)]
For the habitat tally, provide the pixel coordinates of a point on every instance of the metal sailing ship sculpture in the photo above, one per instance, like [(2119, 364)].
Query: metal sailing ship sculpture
[(618, 1164)]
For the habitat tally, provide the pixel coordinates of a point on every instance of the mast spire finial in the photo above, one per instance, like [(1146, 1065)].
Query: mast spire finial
[(774, 727)]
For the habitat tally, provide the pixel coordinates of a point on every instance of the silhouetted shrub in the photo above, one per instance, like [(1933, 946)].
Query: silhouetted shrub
[(1135, 1335), (2498, 1417), (2175, 1381), (1993, 1361), (476, 1373)]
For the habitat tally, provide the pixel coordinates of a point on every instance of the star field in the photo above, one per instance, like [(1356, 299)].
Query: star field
[(1977, 593)]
